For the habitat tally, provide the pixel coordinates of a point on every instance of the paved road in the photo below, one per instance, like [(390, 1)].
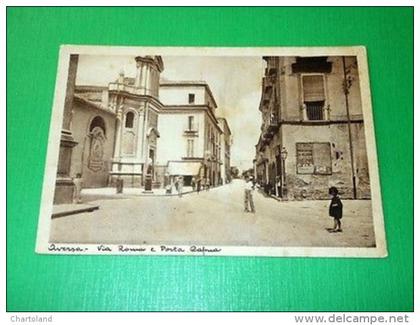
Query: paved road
[(216, 217)]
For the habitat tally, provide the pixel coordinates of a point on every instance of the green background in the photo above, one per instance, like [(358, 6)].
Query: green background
[(119, 283)]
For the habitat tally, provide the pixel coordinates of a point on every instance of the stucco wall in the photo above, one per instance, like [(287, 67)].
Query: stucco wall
[(93, 175), (172, 95), (172, 144)]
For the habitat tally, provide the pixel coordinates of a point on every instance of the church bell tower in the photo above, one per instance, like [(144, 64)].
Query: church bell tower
[(136, 104)]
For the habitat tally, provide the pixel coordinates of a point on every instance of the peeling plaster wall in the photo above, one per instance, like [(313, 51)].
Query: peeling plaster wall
[(303, 186), (336, 133)]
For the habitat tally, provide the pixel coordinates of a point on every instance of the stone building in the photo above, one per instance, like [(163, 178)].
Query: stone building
[(312, 134), (140, 131)]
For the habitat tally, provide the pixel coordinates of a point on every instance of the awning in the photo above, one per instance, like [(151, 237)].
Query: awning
[(187, 168)]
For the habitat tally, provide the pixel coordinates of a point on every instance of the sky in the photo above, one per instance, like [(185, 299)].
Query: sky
[(234, 81)]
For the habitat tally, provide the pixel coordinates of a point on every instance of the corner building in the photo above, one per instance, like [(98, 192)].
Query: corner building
[(312, 134)]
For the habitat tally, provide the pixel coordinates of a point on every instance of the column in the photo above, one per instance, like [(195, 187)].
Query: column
[(147, 80), (143, 78), (137, 82), (118, 121), (140, 133), (64, 185)]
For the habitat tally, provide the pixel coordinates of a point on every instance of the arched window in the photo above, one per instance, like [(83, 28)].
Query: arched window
[(129, 120), (97, 122)]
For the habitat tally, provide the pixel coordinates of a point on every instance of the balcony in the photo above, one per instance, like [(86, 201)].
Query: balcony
[(266, 139), (272, 71), (273, 123), (270, 128), (268, 82), (191, 129), (315, 111), (266, 99)]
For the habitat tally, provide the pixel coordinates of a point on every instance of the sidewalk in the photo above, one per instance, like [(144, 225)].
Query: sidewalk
[(62, 210), (133, 191)]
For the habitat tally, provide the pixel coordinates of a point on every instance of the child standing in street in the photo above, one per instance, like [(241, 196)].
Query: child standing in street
[(336, 209)]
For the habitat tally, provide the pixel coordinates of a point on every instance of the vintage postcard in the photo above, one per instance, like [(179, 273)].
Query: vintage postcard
[(212, 151)]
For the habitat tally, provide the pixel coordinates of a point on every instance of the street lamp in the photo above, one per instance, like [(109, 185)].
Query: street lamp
[(283, 155)]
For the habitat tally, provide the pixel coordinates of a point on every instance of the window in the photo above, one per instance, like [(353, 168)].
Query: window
[(313, 96), (313, 158), (191, 98), (129, 120), (190, 148), (190, 122)]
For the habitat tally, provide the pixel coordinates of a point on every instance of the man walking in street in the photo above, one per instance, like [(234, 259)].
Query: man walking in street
[(248, 199), (180, 185), (198, 186)]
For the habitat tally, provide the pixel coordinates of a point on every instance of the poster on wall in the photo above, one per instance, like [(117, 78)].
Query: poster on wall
[(207, 151)]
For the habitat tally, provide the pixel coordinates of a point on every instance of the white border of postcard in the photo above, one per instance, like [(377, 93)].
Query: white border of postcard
[(44, 246)]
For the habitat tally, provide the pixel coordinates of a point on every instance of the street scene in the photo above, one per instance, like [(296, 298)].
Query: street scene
[(212, 150), (214, 217)]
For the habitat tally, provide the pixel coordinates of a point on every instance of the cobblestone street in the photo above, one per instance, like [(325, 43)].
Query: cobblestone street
[(215, 217)]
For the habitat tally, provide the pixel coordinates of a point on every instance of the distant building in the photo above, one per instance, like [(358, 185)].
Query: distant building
[(142, 131), (312, 135)]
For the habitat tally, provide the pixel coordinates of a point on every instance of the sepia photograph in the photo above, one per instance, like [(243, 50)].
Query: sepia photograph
[(212, 151)]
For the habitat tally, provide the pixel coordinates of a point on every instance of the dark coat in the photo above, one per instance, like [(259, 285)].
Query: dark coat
[(336, 208)]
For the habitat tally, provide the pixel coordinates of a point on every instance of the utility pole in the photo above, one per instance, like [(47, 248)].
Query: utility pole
[(346, 88)]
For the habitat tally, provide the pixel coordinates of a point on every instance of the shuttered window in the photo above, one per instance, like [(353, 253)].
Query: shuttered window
[(313, 88)]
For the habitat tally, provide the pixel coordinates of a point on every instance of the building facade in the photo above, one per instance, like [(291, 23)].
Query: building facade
[(225, 145), (312, 133), (145, 132), (136, 104), (190, 133)]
